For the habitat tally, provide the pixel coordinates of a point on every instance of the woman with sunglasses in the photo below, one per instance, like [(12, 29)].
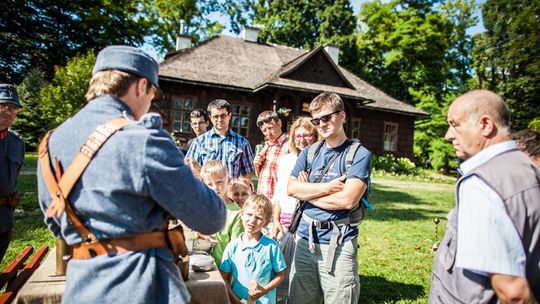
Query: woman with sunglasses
[(302, 134)]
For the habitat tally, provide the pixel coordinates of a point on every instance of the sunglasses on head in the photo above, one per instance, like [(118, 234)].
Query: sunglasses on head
[(266, 120), (325, 118)]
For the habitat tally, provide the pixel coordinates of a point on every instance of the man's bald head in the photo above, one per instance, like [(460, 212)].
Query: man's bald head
[(483, 102), (477, 120)]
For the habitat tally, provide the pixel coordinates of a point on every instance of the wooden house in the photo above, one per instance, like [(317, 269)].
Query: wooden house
[(255, 76)]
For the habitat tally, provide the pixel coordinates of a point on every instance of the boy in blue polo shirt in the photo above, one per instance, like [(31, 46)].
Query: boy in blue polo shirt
[(254, 261)]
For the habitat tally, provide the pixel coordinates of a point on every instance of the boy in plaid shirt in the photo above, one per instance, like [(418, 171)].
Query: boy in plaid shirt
[(266, 162)]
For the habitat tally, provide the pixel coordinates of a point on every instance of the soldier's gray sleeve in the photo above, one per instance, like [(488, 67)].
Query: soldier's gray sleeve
[(44, 201), (172, 185)]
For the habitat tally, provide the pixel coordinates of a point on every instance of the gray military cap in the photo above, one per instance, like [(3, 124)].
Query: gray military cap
[(8, 94), (128, 59)]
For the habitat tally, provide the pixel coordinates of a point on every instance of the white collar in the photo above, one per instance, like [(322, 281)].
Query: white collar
[(485, 155)]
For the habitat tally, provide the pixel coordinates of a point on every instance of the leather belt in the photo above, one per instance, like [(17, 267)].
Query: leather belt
[(12, 200), (120, 245)]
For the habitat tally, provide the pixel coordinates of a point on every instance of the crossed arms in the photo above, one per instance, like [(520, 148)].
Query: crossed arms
[(337, 194)]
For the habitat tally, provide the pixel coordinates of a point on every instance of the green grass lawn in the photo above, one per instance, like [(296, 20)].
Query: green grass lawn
[(395, 239), (29, 230)]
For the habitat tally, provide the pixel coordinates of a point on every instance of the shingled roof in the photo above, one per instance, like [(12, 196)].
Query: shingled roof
[(225, 61)]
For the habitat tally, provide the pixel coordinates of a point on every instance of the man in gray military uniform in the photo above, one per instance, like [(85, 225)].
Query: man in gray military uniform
[(132, 183), (11, 160)]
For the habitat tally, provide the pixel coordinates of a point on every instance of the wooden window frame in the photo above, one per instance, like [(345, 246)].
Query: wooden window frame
[(184, 113), (357, 131), (238, 128), (391, 148)]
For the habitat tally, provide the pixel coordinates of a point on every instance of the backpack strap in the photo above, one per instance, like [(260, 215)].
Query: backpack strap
[(60, 186), (349, 158), (313, 150), (351, 152)]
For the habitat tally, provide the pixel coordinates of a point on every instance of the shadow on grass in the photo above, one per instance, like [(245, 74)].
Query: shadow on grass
[(384, 197), (378, 290)]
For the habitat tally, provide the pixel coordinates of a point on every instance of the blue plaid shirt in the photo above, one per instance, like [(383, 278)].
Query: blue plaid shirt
[(233, 149)]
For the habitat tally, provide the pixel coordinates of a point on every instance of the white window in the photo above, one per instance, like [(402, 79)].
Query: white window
[(390, 136), (355, 130), (181, 108), (240, 118)]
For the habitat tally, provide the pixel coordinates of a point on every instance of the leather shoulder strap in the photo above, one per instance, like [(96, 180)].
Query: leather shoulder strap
[(60, 189)]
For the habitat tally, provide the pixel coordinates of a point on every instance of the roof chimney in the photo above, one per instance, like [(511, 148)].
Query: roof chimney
[(250, 34), (183, 41), (333, 52)]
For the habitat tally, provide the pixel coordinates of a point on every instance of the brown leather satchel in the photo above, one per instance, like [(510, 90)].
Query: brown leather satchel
[(176, 241)]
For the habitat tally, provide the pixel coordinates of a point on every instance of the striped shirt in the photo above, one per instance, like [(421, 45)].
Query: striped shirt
[(487, 240), (233, 149), (268, 171)]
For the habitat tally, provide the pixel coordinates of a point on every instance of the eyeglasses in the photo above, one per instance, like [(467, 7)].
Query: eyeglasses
[(266, 120), (325, 118), (9, 109), (306, 136), (198, 123), (222, 116)]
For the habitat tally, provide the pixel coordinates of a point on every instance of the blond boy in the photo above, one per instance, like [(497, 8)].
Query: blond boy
[(253, 264), (214, 175)]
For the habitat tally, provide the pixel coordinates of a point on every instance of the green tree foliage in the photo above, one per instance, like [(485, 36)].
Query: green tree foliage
[(507, 56), (44, 34), (308, 23), (461, 14), (535, 124), (405, 48), (65, 95), (30, 122), (419, 52), (167, 14), (304, 23)]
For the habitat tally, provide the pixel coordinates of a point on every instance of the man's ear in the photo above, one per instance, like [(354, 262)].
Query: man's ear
[(141, 86), (487, 125), (344, 115)]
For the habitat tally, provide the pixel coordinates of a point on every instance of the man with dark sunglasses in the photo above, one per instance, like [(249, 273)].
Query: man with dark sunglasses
[(266, 162), (325, 266)]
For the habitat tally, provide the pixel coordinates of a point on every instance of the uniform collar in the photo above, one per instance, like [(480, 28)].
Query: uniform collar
[(3, 134), (110, 104), (485, 155)]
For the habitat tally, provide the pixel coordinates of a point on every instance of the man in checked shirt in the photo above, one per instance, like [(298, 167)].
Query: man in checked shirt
[(222, 143), (266, 162)]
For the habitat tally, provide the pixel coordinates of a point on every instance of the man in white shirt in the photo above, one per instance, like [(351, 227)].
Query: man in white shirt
[(490, 249)]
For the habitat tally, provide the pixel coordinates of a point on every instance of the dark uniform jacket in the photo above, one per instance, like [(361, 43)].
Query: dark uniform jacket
[(11, 160)]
